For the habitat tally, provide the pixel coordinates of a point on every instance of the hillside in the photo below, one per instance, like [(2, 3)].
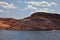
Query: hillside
[(37, 21)]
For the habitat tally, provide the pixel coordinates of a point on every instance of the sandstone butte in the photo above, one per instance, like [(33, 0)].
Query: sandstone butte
[(36, 22)]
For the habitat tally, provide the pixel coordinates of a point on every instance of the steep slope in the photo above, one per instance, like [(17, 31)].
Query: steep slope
[(37, 21), (42, 21)]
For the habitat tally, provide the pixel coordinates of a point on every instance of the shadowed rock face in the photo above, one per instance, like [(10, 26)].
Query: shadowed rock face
[(37, 21)]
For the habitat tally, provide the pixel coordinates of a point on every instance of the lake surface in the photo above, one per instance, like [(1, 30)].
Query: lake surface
[(29, 35)]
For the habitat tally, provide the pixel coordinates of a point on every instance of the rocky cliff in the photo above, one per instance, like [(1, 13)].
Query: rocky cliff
[(37, 21)]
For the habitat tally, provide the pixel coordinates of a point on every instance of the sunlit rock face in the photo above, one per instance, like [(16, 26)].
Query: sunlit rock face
[(37, 21)]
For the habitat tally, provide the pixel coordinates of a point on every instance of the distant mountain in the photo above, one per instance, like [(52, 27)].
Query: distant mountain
[(37, 21)]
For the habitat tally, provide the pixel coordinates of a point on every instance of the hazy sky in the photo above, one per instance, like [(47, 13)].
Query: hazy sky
[(23, 8)]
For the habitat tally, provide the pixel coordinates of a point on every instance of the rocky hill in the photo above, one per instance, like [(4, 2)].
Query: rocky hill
[(37, 21)]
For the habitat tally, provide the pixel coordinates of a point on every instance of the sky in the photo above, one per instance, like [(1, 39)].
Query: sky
[(20, 9)]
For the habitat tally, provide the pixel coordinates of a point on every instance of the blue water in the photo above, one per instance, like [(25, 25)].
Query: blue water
[(29, 35)]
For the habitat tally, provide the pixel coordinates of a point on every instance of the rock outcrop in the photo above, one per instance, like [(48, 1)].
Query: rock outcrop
[(37, 21)]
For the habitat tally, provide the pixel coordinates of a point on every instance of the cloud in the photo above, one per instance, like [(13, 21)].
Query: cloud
[(42, 6), (42, 3), (30, 7), (43, 10), (7, 5), (36, 9), (53, 3), (1, 11)]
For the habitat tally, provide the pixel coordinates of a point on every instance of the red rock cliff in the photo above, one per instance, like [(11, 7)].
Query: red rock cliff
[(37, 21)]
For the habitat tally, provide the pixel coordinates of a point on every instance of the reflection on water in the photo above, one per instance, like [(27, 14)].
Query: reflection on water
[(29, 35)]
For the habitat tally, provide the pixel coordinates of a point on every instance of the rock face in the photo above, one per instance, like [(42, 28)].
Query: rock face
[(37, 21)]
